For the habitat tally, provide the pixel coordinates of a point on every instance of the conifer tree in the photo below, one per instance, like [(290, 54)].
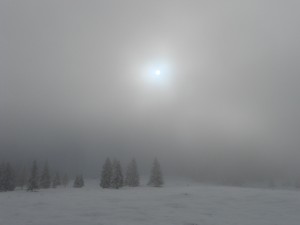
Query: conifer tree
[(8, 178), (45, 180), (81, 181), (22, 178), (78, 182), (56, 181), (132, 176), (65, 180), (117, 176), (106, 174), (1, 177), (156, 179), (33, 179)]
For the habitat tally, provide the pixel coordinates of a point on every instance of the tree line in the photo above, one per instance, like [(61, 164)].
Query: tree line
[(111, 177)]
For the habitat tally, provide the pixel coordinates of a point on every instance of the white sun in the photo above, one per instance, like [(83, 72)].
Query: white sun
[(156, 75)]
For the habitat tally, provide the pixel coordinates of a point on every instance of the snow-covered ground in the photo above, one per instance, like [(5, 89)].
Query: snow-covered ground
[(174, 204)]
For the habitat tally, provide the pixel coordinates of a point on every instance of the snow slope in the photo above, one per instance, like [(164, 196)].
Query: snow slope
[(173, 205)]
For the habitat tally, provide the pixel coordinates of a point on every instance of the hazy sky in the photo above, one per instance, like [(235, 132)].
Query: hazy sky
[(231, 71)]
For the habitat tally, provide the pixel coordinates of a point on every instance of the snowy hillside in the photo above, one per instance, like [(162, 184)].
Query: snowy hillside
[(171, 205)]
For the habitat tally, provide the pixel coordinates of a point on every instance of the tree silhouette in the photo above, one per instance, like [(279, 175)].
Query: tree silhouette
[(156, 179)]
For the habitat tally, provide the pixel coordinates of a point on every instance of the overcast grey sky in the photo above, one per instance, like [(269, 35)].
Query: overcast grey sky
[(72, 68)]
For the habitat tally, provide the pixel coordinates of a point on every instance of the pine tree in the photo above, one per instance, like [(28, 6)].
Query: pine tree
[(81, 181), (45, 180), (22, 178), (156, 179), (56, 181), (65, 180), (132, 176), (1, 177), (11, 178), (8, 178), (117, 176), (78, 182), (106, 174), (33, 180)]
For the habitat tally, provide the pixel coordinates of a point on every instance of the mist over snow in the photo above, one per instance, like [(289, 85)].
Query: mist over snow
[(72, 85), (144, 112)]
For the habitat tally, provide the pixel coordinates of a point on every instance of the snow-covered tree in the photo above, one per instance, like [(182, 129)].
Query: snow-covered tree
[(1, 177), (117, 176), (81, 181), (33, 179), (156, 179), (22, 178), (8, 178), (45, 179), (56, 181), (78, 182), (65, 180), (106, 174), (132, 176)]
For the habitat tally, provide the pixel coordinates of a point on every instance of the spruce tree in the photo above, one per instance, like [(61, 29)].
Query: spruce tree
[(106, 174), (78, 182), (132, 176), (117, 176), (8, 178), (81, 181), (1, 177), (156, 179), (11, 178), (56, 181), (45, 180), (65, 180), (22, 178), (33, 179)]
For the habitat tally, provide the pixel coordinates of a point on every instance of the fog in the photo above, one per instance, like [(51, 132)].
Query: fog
[(74, 85)]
